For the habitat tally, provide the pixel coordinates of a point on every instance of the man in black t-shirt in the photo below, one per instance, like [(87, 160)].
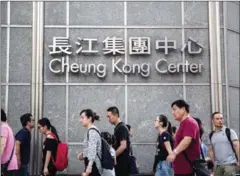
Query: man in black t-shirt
[(122, 143), (23, 144)]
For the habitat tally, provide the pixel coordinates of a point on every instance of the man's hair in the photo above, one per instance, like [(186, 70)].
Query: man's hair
[(25, 118), (114, 110), (213, 114), (3, 116), (181, 104)]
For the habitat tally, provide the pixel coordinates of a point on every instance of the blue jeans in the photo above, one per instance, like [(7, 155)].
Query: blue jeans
[(164, 169), (23, 171)]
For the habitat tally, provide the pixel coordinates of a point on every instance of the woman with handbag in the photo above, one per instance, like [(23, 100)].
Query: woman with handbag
[(164, 147), (9, 164)]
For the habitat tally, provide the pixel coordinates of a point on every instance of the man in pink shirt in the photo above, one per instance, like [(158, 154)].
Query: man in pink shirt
[(187, 140), (7, 147)]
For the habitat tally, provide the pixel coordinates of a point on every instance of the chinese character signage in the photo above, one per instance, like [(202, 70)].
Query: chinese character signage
[(113, 46)]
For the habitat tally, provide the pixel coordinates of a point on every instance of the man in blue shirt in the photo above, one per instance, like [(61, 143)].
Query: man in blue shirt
[(23, 143)]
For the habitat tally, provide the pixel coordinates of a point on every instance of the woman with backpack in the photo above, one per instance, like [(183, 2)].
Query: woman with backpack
[(164, 147), (49, 149), (110, 139), (92, 144)]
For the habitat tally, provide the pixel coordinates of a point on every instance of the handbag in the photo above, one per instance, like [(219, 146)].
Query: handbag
[(199, 166), (5, 165), (133, 165)]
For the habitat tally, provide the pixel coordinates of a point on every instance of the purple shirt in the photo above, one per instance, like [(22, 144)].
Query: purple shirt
[(188, 127)]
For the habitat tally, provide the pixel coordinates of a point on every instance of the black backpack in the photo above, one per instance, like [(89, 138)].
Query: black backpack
[(228, 133), (106, 159)]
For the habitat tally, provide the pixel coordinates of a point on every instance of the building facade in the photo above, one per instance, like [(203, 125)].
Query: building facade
[(58, 58)]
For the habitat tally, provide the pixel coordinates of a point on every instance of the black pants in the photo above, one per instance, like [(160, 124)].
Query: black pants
[(122, 168), (184, 174), (95, 171)]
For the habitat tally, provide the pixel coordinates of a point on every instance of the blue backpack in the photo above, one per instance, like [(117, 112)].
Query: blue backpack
[(106, 159)]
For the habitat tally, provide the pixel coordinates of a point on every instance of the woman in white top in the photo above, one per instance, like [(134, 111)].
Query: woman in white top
[(110, 140)]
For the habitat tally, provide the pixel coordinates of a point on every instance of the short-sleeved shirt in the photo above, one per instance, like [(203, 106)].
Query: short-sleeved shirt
[(162, 151), (121, 133), (24, 136), (188, 128), (7, 132), (49, 145), (223, 151)]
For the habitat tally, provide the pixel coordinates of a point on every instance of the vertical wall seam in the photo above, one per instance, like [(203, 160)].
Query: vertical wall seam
[(8, 55), (67, 76), (183, 53), (226, 61), (215, 56), (126, 60), (33, 87)]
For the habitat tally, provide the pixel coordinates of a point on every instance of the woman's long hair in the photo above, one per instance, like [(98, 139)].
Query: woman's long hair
[(200, 126), (46, 122), (166, 123)]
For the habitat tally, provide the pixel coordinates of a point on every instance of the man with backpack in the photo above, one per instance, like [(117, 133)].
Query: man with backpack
[(122, 144), (224, 148)]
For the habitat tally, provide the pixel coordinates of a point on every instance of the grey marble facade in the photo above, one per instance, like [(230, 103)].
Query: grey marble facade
[(139, 99)]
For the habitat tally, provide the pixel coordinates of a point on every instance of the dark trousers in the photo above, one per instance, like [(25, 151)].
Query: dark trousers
[(10, 173), (122, 168), (95, 171), (23, 171), (184, 174)]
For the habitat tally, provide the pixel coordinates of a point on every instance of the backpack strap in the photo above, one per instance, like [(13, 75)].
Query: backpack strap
[(9, 160), (228, 134), (202, 154), (94, 130), (54, 136), (122, 125), (99, 135), (210, 135)]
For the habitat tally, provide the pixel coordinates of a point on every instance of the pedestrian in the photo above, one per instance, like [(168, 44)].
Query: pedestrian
[(9, 164), (23, 143), (224, 147), (49, 149), (92, 144), (164, 146), (204, 148), (187, 141), (122, 144), (134, 166)]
